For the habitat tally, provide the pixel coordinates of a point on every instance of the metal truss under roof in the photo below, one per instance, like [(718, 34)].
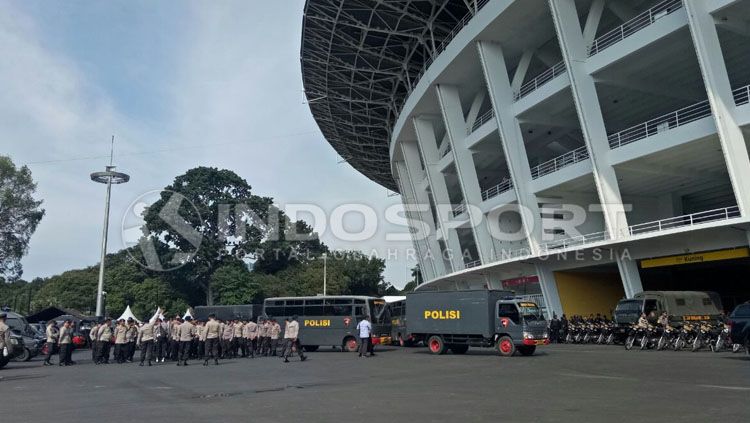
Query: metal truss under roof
[(361, 59)]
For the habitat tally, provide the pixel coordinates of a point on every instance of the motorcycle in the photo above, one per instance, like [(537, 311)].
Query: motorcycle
[(668, 337)]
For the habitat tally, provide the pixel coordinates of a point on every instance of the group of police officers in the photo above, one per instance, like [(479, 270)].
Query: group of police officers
[(178, 340)]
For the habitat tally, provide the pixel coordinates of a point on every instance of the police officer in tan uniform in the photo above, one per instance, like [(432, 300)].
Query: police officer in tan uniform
[(131, 336), (120, 341), (103, 339), (146, 341), (52, 336), (237, 338), (185, 333), (291, 339), (65, 341), (93, 332), (211, 336), (274, 331), (250, 332), (6, 347)]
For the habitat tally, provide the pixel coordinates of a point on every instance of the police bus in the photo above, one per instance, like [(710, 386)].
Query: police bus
[(332, 320)]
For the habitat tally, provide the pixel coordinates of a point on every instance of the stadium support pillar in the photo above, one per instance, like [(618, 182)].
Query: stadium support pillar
[(405, 185), (431, 253), (428, 147), (549, 290), (501, 96), (583, 87), (631, 278), (453, 116), (719, 89)]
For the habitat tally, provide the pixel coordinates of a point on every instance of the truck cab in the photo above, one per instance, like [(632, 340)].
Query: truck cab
[(519, 325)]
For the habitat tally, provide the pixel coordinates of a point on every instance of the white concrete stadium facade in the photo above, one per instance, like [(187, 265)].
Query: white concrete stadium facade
[(637, 112)]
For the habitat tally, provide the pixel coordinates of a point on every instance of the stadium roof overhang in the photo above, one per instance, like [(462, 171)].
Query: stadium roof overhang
[(360, 60)]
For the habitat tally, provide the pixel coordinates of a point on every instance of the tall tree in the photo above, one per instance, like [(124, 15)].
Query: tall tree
[(20, 213), (221, 220)]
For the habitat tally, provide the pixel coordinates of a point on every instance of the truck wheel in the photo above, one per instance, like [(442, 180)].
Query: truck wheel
[(436, 344), (24, 356), (350, 344), (505, 346), (527, 350), (459, 349)]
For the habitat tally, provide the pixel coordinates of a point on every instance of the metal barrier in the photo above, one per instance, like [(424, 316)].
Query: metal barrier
[(634, 25), (559, 162), (573, 241), (458, 209), (686, 220), (742, 95), (471, 264), (481, 120), (660, 124), (505, 185), (539, 80)]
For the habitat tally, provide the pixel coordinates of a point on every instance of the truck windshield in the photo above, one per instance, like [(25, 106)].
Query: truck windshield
[(530, 311), (630, 306)]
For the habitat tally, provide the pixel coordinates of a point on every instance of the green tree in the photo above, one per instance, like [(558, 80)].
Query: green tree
[(221, 213), (233, 284), (20, 214)]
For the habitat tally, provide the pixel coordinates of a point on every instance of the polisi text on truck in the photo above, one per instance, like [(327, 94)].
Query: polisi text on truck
[(442, 314)]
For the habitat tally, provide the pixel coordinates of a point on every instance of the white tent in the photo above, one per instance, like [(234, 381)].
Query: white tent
[(187, 313), (158, 315), (393, 298), (128, 314)]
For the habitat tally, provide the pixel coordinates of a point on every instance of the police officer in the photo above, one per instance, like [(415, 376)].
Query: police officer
[(103, 339), (65, 341), (92, 341), (291, 339), (185, 333), (160, 339), (131, 336), (365, 340), (146, 341), (273, 334), (120, 341), (236, 337), (211, 336), (226, 339), (52, 336), (250, 332), (5, 344), (174, 339), (200, 339)]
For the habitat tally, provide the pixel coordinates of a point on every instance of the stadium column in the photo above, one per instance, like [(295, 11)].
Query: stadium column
[(501, 97), (631, 278), (431, 251), (413, 216), (721, 99), (453, 117), (428, 147), (549, 289), (583, 87)]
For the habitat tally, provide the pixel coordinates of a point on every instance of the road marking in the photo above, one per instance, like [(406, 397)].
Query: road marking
[(731, 388), (588, 376)]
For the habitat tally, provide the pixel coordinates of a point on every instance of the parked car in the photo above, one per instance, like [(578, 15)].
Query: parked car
[(739, 322), (29, 341)]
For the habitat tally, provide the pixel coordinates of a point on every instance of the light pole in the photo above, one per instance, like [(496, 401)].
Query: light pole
[(325, 272), (109, 177)]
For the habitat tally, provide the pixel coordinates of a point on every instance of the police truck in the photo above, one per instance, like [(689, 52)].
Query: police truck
[(457, 320), (332, 320)]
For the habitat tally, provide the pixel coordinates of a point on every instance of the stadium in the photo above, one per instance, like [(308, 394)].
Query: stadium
[(576, 151)]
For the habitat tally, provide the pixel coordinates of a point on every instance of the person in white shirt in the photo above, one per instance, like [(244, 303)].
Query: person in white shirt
[(365, 341)]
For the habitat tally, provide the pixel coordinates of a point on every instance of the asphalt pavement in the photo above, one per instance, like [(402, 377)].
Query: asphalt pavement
[(561, 383)]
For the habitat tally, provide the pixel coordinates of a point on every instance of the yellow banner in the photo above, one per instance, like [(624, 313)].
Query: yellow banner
[(696, 258)]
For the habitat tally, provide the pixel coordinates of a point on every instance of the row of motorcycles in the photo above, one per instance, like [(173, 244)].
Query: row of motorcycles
[(692, 335)]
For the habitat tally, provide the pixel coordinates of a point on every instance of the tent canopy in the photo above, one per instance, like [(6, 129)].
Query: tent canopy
[(128, 314)]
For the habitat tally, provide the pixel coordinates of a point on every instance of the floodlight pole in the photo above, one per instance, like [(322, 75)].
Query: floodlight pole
[(325, 272), (109, 177)]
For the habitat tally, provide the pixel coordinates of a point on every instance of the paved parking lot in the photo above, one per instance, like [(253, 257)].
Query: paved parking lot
[(562, 383)]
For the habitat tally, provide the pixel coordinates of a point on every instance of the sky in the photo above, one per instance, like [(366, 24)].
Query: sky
[(179, 84)]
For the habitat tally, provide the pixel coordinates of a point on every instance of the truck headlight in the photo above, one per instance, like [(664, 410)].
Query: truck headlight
[(14, 341), (528, 335)]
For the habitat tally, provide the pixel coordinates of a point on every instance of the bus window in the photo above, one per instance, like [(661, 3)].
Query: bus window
[(337, 310), (376, 310), (294, 310), (274, 311), (650, 308), (314, 310), (359, 311)]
